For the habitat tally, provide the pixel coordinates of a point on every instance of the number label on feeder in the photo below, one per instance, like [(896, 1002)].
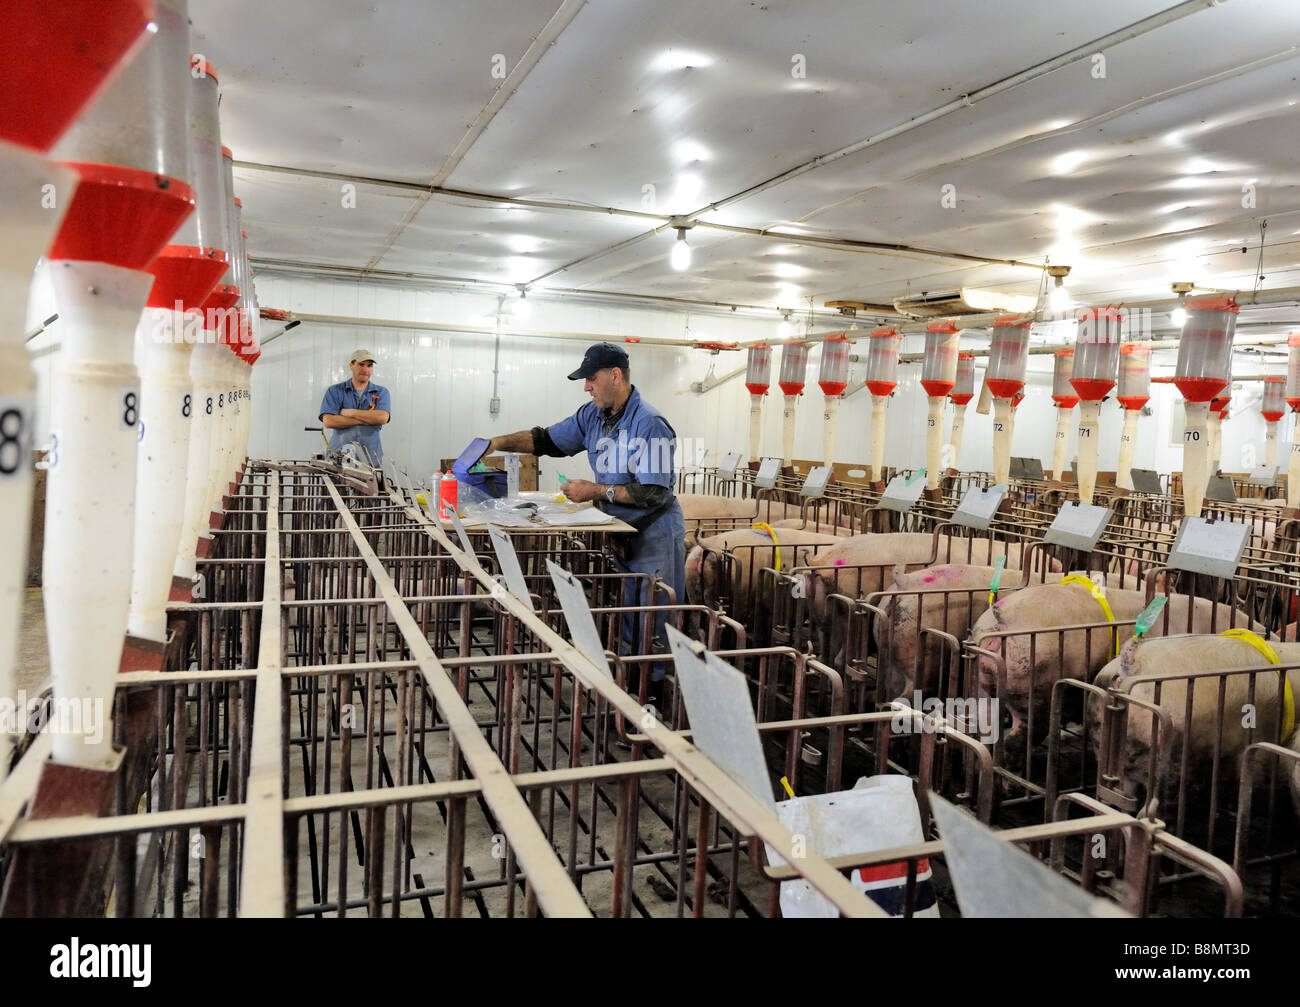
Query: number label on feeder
[(15, 435), (903, 492), (1263, 475), (1146, 481), (1078, 526), (1209, 547), (508, 560), (1220, 489), (978, 506), (130, 407), (767, 473), (997, 426), (577, 613), (1191, 436), (815, 484), (727, 470)]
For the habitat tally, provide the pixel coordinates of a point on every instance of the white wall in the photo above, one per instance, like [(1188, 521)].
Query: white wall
[(441, 383)]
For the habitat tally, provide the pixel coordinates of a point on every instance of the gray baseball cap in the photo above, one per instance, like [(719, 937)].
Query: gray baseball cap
[(362, 355)]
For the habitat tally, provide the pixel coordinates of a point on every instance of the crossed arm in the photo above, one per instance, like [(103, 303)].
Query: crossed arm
[(355, 418)]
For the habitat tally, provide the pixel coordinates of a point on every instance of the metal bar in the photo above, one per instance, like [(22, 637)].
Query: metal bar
[(262, 887)]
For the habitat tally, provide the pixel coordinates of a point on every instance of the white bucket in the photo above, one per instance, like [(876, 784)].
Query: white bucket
[(880, 812)]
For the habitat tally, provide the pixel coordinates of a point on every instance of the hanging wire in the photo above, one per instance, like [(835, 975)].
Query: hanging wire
[(1259, 265)]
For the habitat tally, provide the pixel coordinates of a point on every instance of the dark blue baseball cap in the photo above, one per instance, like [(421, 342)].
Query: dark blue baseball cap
[(599, 357)]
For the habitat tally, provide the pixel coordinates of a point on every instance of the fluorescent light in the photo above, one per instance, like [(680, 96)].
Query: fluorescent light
[(995, 300), (1065, 163), (522, 244), (686, 151), (679, 59), (680, 258)]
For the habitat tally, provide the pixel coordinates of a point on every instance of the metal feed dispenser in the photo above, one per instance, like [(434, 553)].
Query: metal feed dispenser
[(963, 391), (794, 370), (938, 378), (758, 378), (881, 380), (1133, 393), (1096, 367), (833, 379), (1008, 358), (1203, 370), (1066, 399)]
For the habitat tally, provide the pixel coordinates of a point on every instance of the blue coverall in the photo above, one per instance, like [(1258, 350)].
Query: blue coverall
[(639, 448), (345, 396)]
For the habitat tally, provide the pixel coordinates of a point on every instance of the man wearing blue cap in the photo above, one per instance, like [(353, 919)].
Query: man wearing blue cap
[(630, 446)]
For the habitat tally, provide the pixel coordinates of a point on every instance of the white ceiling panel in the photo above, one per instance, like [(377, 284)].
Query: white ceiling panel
[(1133, 179), (315, 220), (510, 244), (386, 88), (700, 101)]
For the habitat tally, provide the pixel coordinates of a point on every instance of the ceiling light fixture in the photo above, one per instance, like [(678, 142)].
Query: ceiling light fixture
[(522, 308), (680, 258), (996, 300), (1060, 299)]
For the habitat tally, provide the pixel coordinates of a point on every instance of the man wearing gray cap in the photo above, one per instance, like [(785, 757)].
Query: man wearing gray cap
[(356, 408), (630, 447)]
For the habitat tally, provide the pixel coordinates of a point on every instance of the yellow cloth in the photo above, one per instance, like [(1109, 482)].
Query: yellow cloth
[(776, 545), (1099, 595), (1261, 645)]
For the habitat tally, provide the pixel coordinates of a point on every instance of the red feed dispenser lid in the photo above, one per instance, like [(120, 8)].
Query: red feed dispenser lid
[(121, 216), (1134, 371), (939, 365), (1062, 393), (185, 275), (56, 55), (1205, 347), (882, 360), (1273, 405), (833, 377), (794, 366), (964, 390), (758, 369)]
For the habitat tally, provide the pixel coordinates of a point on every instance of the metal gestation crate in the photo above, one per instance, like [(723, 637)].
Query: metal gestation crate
[(376, 727)]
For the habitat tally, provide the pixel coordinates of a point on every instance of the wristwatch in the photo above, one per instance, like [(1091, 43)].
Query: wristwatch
[(609, 493)]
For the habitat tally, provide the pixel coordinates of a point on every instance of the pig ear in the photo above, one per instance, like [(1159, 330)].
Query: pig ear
[(899, 572)]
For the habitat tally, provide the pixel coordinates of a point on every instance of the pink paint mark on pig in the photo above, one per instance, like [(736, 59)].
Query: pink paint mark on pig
[(839, 562), (929, 580)]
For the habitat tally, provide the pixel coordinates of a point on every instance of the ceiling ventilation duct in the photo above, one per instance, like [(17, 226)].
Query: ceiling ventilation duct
[(966, 301)]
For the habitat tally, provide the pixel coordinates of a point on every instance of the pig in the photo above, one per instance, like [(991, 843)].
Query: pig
[(1189, 654), (706, 515), (841, 530), (1035, 660), (881, 553), (898, 634), (751, 549)]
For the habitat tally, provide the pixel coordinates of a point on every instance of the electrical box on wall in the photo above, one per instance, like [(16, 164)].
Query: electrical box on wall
[(494, 406)]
